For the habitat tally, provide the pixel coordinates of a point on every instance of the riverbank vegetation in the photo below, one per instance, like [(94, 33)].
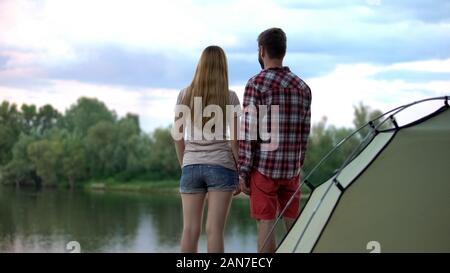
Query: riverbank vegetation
[(90, 146)]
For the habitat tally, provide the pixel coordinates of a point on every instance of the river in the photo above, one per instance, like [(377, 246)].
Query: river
[(47, 220)]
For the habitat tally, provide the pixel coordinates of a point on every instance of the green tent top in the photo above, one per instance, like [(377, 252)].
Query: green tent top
[(391, 195)]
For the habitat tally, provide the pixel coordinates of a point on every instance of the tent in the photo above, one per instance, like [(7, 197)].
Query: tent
[(392, 194)]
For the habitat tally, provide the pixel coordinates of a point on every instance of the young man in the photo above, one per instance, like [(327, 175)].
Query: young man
[(271, 176)]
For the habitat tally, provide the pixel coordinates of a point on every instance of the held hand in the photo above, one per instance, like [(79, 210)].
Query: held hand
[(237, 191), (245, 187)]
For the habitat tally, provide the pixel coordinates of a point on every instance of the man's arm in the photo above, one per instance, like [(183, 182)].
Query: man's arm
[(248, 132)]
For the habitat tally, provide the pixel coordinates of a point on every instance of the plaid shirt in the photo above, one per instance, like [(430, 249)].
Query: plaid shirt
[(276, 86)]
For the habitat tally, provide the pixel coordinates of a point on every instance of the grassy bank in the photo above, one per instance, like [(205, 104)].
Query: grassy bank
[(143, 186), (161, 186), (135, 186)]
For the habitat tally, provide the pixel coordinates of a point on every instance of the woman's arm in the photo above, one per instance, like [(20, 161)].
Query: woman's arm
[(235, 150), (235, 142), (179, 145)]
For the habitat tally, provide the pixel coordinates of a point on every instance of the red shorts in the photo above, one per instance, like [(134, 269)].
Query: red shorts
[(268, 196)]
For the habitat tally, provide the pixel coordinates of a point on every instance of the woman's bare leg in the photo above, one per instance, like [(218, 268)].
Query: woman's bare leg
[(218, 207), (193, 204)]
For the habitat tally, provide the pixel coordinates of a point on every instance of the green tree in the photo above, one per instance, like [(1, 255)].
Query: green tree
[(163, 158), (20, 170), (114, 148), (324, 138), (11, 117), (7, 140), (362, 115), (46, 119), (74, 160), (85, 114), (10, 128), (128, 132), (46, 157), (130, 151), (138, 157), (29, 118), (100, 143), (90, 142)]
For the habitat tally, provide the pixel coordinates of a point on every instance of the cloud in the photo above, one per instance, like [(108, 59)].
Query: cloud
[(156, 24), (116, 66), (419, 71), (81, 40), (438, 66), (411, 76), (433, 11), (384, 53), (335, 94), (60, 27), (19, 68), (398, 10)]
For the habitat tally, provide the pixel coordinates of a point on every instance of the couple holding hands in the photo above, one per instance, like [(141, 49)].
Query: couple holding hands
[(221, 168)]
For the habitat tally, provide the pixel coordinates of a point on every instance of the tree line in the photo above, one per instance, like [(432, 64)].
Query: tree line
[(89, 142), (323, 138), (43, 147)]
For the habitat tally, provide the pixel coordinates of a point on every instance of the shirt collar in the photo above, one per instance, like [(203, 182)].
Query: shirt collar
[(284, 68)]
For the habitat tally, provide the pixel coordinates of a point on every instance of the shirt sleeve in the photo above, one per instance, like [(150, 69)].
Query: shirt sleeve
[(305, 126), (179, 102), (234, 99), (248, 131)]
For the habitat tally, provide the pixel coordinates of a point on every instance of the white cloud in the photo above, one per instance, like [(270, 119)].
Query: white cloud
[(57, 27), (45, 32), (427, 66), (335, 94), (58, 32)]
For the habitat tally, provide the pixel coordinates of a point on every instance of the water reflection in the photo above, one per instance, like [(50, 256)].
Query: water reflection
[(45, 221)]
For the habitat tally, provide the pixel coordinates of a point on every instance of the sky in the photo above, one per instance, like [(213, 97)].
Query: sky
[(136, 55)]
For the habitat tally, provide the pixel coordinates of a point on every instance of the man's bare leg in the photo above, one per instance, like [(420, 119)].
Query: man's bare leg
[(288, 223), (264, 227)]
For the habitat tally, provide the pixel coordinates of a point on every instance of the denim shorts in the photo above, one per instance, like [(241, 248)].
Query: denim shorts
[(199, 178)]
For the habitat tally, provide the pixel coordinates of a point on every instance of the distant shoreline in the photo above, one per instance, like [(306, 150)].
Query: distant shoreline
[(169, 186), (109, 184), (166, 186)]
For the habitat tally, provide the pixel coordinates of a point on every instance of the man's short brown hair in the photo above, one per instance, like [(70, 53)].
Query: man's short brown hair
[(274, 41)]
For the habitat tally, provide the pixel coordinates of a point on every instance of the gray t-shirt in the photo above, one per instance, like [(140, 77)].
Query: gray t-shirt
[(215, 152)]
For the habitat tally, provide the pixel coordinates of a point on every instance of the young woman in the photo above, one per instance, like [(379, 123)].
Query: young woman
[(208, 166)]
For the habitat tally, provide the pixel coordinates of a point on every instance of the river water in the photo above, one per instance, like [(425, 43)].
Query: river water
[(47, 220)]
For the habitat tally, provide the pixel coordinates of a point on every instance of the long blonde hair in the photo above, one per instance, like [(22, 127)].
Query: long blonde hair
[(210, 81)]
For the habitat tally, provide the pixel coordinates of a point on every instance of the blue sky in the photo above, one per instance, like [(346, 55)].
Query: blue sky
[(136, 55)]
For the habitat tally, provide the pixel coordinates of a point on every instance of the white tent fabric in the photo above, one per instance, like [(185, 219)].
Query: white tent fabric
[(395, 192)]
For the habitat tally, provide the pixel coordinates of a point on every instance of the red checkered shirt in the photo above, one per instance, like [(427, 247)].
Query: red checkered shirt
[(276, 86)]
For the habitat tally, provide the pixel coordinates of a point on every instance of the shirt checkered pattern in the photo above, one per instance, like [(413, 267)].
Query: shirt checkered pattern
[(276, 86)]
